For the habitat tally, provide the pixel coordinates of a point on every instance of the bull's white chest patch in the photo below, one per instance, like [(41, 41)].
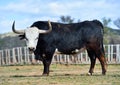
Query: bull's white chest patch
[(76, 51)]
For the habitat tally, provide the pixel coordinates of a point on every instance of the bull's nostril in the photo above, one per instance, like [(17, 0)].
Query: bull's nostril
[(31, 48)]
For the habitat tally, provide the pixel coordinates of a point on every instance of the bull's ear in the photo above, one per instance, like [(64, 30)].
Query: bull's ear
[(22, 37)]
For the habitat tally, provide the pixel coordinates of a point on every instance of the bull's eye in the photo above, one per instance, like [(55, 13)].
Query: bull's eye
[(36, 38)]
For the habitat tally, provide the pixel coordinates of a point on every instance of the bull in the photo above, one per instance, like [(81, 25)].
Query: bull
[(44, 37)]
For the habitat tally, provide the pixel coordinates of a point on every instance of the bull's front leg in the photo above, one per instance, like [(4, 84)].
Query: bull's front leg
[(47, 58), (46, 64)]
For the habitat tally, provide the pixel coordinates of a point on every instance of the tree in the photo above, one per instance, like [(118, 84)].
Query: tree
[(106, 21), (107, 32), (66, 19), (117, 22)]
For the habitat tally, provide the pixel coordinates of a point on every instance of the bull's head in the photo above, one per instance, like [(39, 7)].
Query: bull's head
[(31, 35)]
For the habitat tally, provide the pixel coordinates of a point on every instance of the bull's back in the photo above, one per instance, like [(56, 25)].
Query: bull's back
[(68, 37)]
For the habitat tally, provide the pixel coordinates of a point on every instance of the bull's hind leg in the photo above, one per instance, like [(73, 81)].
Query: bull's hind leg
[(101, 56), (103, 63), (92, 56)]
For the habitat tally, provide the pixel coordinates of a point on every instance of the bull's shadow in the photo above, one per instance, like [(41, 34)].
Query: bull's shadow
[(65, 75), (26, 76)]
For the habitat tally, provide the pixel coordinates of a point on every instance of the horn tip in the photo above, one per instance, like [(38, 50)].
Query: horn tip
[(48, 20), (14, 21)]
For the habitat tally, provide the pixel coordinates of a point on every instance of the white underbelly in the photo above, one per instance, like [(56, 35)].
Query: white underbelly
[(76, 51)]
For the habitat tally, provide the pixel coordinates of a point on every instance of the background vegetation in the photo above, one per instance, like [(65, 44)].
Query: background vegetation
[(111, 35)]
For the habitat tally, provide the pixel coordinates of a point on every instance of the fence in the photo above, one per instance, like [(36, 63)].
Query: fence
[(20, 55)]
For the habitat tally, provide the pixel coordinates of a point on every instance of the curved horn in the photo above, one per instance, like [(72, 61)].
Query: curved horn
[(15, 31), (46, 31)]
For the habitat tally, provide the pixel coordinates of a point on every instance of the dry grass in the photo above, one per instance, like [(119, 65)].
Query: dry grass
[(59, 75)]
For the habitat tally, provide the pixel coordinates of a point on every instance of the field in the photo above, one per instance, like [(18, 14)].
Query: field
[(59, 75)]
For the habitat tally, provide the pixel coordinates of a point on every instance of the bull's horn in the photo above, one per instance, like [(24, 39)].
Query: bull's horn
[(15, 31), (46, 31)]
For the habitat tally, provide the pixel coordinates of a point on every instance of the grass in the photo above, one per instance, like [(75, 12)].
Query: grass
[(59, 75)]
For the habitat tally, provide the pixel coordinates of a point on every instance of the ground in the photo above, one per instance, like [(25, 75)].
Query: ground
[(59, 75)]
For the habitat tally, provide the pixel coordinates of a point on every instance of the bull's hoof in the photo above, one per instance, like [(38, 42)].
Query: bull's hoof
[(103, 73), (44, 74), (89, 74)]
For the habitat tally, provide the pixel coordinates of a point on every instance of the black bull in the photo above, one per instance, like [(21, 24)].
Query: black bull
[(69, 37)]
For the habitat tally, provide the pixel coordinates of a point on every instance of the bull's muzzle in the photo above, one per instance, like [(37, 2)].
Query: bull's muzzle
[(31, 49)]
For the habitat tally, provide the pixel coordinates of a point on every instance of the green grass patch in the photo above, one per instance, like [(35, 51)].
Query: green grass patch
[(59, 75)]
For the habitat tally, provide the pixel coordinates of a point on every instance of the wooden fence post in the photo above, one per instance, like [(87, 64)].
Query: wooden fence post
[(25, 55), (28, 57), (81, 56), (17, 55), (7, 57), (14, 56), (118, 53), (111, 56), (108, 53), (33, 57), (21, 55), (0, 59), (60, 58), (8, 53), (3, 60)]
